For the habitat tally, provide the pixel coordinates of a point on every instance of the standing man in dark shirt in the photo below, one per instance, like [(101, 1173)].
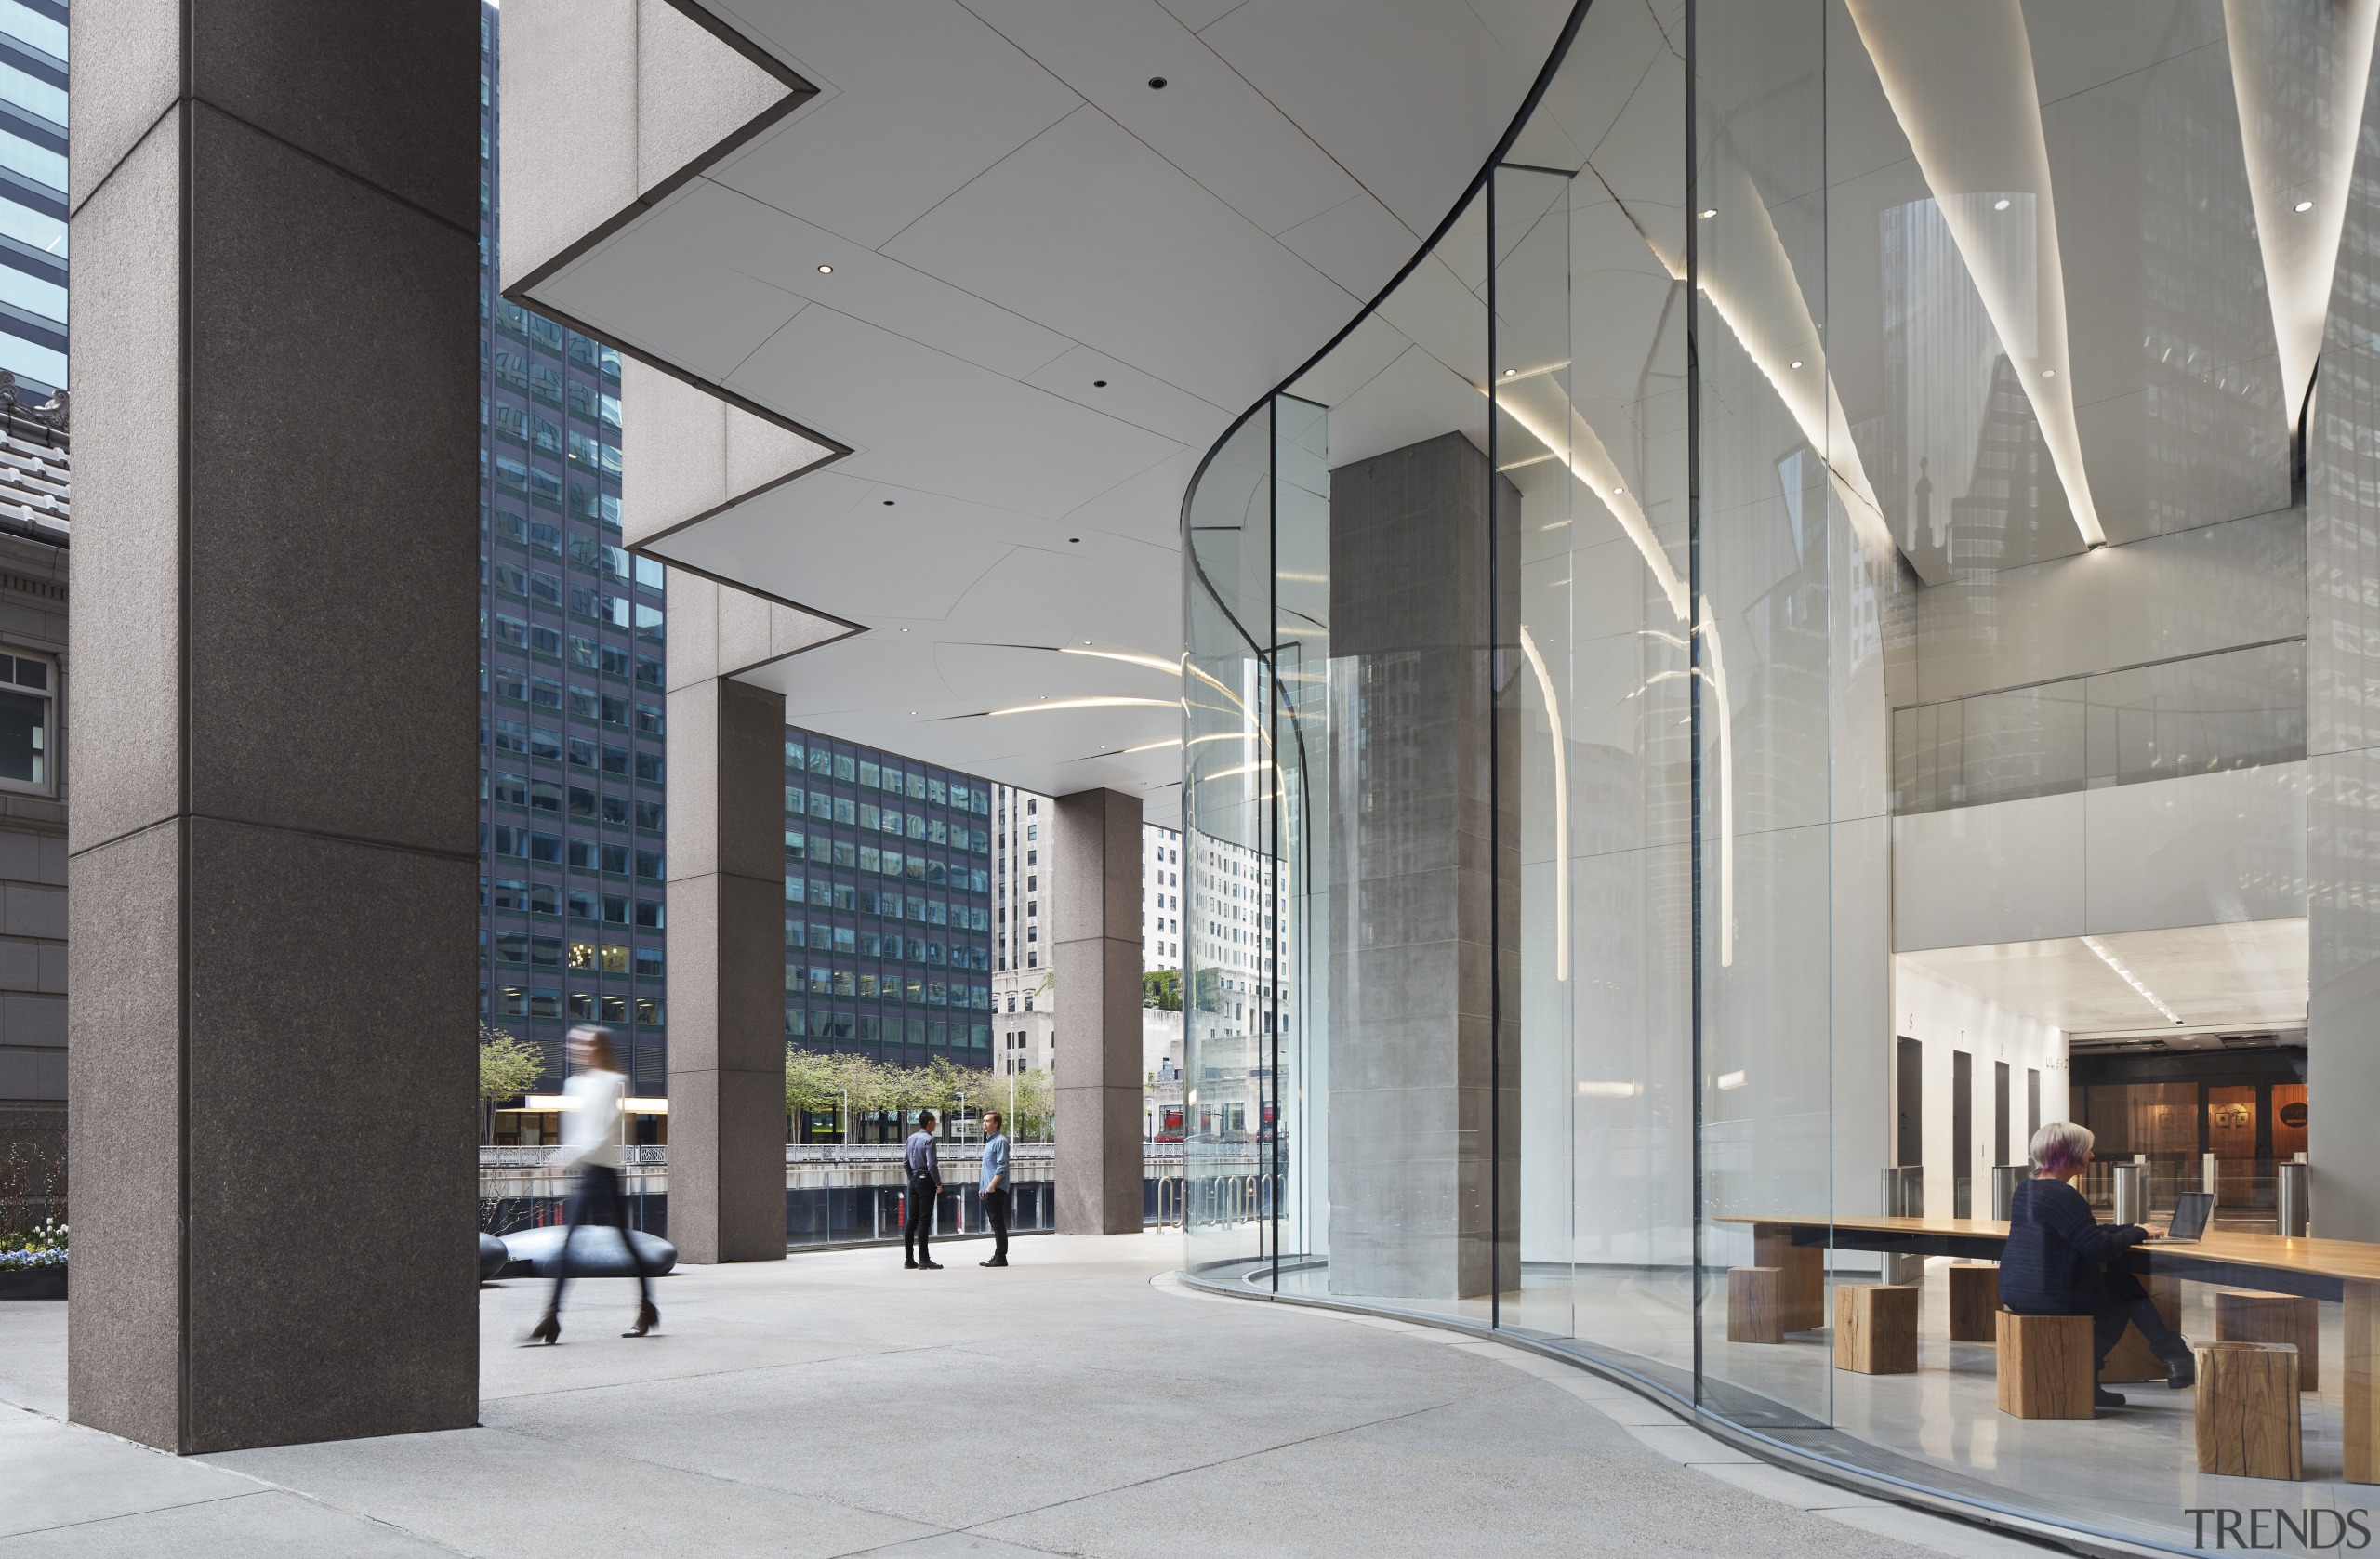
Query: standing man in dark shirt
[(2054, 1262), (925, 1186)]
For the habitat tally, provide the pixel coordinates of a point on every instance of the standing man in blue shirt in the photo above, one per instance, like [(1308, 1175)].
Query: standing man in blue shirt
[(925, 1187), (993, 1188)]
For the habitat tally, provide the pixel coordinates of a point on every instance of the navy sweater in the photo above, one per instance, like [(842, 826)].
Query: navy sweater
[(2052, 1265)]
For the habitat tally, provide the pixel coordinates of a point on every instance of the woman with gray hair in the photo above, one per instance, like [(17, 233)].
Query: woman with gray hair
[(2055, 1263)]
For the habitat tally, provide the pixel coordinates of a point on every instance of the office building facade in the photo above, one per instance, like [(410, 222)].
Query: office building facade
[(35, 523), (571, 792), (887, 905), (32, 195)]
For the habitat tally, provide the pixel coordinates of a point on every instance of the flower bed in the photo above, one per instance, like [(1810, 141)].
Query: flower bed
[(33, 1264)]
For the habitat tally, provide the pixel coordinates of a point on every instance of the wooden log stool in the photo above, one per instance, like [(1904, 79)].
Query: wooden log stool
[(1974, 1302), (1875, 1329), (1801, 1276), (2275, 1318), (2130, 1358), (2247, 1410), (1755, 1295), (2044, 1365)]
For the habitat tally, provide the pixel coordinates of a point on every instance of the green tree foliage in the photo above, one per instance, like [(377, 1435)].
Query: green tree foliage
[(1162, 989), (819, 1082), (509, 1065)]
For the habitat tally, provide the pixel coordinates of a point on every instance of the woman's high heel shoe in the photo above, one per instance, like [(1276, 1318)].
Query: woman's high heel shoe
[(647, 1319), (548, 1331)]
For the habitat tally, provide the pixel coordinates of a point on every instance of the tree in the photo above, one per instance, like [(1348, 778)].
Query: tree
[(509, 1065), (1162, 989)]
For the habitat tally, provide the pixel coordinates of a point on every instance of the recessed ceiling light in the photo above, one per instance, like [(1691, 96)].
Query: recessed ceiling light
[(2303, 207), (887, 503), (1620, 489), (1713, 211), (905, 631), (2000, 205), (2049, 373), (1510, 371), (825, 271), (1797, 362), (1099, 384), (1156, 83), (1086, 640), (1074, 540)]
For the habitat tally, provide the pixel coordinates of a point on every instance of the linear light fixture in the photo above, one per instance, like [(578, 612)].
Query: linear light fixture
[(1172, 667), (1105, 702), (1561, 810), (1151, 747), (2299, 74), (1975, 146), (1609, 1091), (2129, 978)]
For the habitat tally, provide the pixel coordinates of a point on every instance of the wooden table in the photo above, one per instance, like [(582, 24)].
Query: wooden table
[(2345, 1272)]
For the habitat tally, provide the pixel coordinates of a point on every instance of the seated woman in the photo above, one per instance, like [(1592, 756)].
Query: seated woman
[(2054, 1262)]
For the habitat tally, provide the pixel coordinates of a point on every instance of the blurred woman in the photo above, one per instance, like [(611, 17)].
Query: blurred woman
[(2055, 1263), (590, 1143)]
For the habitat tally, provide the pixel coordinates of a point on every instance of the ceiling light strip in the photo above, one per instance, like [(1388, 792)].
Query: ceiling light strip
[(2129, 978)]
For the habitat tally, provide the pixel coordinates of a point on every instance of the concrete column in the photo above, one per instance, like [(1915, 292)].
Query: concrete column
[(1096, 1052), (273, 845), (726, 830), (1415, 1059)]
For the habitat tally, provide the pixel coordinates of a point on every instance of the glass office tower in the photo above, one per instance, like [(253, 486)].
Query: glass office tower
[(570, 693), (32, 195), (888, 905), (1825, 622)]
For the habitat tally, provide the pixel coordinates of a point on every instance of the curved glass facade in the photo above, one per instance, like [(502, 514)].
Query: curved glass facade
[(1829, 620)]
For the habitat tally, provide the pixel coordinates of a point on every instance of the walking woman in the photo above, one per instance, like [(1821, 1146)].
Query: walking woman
[(590, 1143)]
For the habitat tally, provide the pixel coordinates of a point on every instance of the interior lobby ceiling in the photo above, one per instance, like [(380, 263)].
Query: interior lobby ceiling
[(1028, 287), (2241, 977)]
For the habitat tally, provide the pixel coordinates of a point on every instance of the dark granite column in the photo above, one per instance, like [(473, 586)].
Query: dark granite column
[(1097, 1054), (1415, 1060), (273, 841), (726, 830)]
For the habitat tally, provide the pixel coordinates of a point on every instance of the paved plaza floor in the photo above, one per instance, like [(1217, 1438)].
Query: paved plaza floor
[(1082, 1402)]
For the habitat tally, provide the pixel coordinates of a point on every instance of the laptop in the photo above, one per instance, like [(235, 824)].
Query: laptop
[(2191, 1211)]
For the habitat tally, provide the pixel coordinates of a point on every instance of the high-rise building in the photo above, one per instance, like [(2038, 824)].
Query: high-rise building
[(1160, 897), (33, 193), (571, 797), (888, 905)]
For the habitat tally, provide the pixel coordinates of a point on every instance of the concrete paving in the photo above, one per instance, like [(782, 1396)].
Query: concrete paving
[(1083, 1402)]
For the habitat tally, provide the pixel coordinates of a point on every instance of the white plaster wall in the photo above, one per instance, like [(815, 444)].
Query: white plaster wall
[(2203, 850), (1947, 1017)]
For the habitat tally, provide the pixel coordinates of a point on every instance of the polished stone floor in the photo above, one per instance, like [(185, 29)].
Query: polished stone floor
[(1082, 1402), (2131, 1471)]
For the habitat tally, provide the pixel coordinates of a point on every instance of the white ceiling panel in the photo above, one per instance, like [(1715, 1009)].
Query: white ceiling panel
[(934, 422), (2245, 974), (1089, 226), (735, 231), (927, 97), (1207, 120), (839, 527), (1331, 65), (1414, 398), (1011, 215), (665, 302), (1112, 389), (1147, 509), (1358, 244)]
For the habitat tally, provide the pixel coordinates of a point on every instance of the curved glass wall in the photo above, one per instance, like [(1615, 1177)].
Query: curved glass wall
[(1827, 622)]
